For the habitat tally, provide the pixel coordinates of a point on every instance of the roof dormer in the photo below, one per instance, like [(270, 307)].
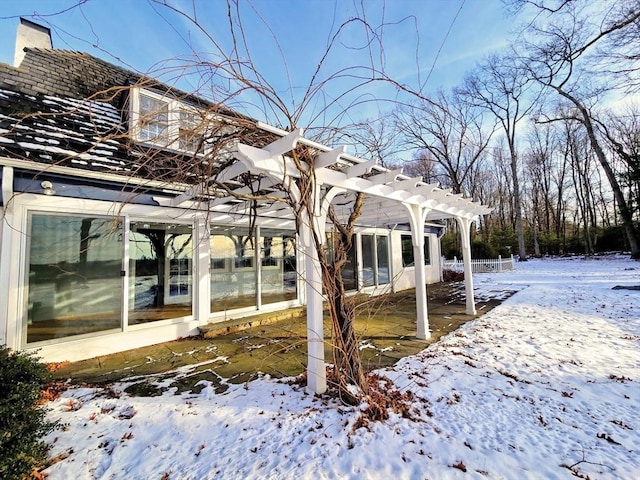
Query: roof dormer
[(160, 120)]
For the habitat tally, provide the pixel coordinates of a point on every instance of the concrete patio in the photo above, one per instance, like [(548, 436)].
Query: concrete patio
[(240, 350)]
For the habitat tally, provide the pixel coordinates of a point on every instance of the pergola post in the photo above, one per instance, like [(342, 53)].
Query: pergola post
[(202, 288), (417, 216), (465, 232), (316, 370)]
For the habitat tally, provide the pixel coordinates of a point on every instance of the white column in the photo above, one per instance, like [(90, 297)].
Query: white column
[(129, 269), (391, 247), (465, 227), (417, 216), (316, 369), (202, 276), (301, 284), (257, 261), (357, 243), (6, 232)]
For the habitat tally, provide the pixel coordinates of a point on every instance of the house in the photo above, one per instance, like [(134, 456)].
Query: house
[(129, 218)]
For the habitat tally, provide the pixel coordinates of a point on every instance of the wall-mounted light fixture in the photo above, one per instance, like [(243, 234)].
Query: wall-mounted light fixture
[(47, 188)]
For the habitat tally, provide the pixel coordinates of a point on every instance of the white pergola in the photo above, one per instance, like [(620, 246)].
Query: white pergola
[(391, 198)]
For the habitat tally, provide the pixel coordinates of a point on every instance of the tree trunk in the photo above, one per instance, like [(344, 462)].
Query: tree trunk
[(517, 205), (346, 353), (633, 235)]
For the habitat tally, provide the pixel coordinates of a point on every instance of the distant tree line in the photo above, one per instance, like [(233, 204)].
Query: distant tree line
[(545, 133)]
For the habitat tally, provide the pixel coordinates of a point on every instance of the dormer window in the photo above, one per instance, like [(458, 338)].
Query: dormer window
[(165, 122), (153, 119), (189, 135)]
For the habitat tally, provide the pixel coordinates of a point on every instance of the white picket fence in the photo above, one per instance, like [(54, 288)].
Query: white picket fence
[(480, 265)]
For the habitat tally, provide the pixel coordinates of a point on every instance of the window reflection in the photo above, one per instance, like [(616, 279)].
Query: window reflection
[(407, 251), (75, 283), (368, 260), (154, 119), (160, 271), (278, 264), (375, 260), (349, 272), (382, 248), (233, 274)]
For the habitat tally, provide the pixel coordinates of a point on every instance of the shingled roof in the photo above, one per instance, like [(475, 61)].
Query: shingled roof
[(70, 109), (64, 73)]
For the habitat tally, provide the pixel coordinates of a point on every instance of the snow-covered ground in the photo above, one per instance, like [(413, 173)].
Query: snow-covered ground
[(544, 386)]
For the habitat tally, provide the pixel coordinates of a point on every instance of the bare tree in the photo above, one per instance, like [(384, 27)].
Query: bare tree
[(567, 52), (503, 88), (375, 138), (622, 132), (503, 192), (421, 165), (580, 155), (546, 170), (452, 134)]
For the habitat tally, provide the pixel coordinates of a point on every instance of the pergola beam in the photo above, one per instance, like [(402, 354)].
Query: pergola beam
[(224, 176), (285, 144), (260, 184), (386, 177)]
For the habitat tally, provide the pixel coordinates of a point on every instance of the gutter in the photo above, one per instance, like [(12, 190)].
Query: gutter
[(74, 172)]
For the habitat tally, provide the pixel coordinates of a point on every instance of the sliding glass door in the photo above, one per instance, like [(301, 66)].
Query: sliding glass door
[(160, 271), (74, 275)]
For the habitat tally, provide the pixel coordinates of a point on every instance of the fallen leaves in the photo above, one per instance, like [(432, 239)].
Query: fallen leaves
[(52, 391), (460, 466), (55, 366)]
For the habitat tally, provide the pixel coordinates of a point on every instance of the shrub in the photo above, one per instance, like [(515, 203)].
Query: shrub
[(22, 421), (449, 245), (480, 249), (452, 276), (612, 239)]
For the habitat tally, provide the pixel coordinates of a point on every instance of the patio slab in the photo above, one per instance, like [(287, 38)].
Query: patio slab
[(238, 351)]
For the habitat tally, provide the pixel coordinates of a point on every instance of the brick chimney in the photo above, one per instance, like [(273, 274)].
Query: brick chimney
[(32, 35)]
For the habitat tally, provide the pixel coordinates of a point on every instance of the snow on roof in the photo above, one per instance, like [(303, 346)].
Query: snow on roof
[(53, 129)]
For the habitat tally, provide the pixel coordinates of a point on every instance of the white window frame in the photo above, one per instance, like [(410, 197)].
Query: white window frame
[(175, 107)]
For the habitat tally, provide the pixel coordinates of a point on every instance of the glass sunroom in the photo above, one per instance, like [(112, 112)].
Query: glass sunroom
[(93, 275)]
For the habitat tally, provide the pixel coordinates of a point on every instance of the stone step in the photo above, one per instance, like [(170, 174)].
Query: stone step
[(212, 330)]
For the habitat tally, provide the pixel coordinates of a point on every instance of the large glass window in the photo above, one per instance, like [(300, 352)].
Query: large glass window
[(427, 251), (232, 268), (375, 260), (349, 271), (369, 273), (167, 122), (407, 251), (189, 138), (74, 276), (382, 247), (160, 271), (278, 266)]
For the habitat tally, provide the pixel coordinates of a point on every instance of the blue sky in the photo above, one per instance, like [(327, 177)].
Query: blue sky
[(428, 43)]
